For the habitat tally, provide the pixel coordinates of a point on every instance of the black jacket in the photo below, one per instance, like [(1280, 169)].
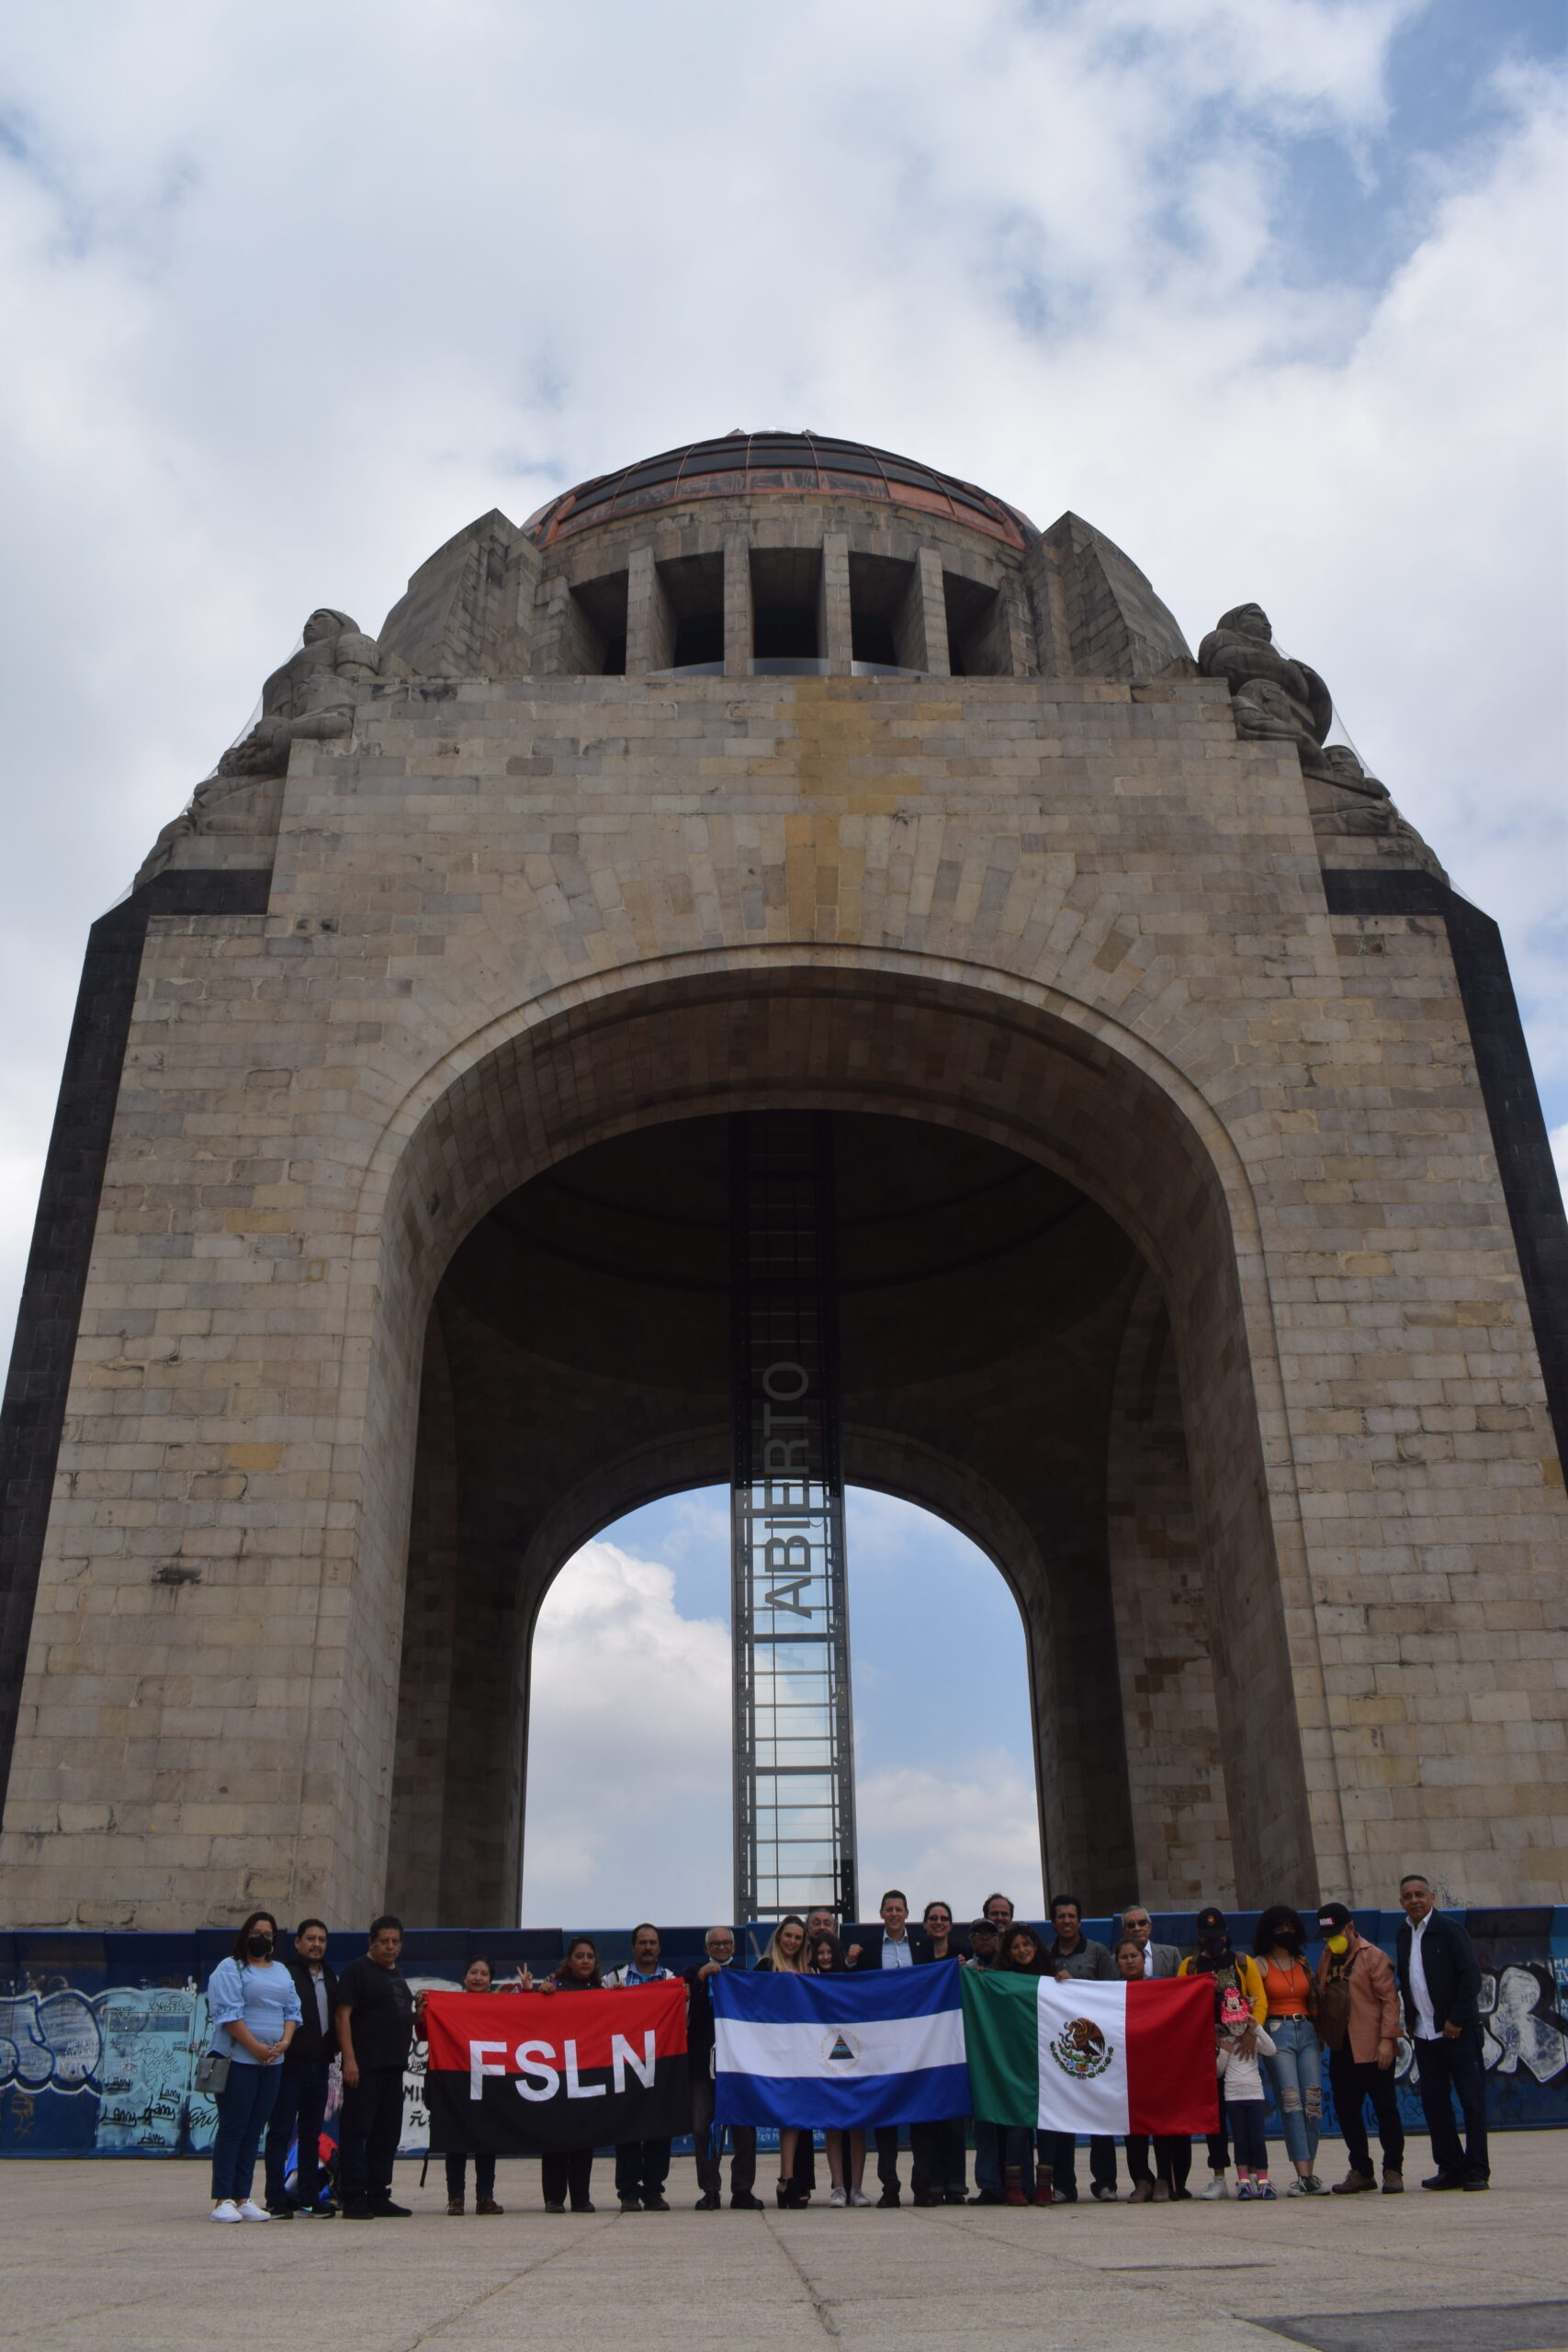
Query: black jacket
[(310, 2046), (1451, 1970), (699, 2016), (871, 1940)]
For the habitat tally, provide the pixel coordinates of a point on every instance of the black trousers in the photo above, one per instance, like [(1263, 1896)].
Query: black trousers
[(484, 2176), (887, 2157), (302, 2108), (1352, 2085), (941, 2165), (1059, 2151), (1244, 2117), (1173, 2158), (642, 2167), (707, 2139), (562, 2176), (1449, 2070), (368, 2129)]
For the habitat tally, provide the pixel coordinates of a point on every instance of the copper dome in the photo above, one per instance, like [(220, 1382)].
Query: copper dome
[(749, 465)]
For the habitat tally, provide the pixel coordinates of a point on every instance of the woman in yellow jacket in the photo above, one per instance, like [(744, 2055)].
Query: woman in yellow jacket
[(1216, 1956)]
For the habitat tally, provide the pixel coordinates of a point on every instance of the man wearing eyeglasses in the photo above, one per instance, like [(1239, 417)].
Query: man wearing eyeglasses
[(706, 2138), (1159, 1960)]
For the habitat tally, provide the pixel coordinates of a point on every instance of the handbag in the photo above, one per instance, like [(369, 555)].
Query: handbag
[(1333, 2020), (212, 2072)]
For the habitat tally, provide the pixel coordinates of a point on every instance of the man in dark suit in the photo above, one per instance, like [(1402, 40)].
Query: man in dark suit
[(894, 1944), (706, 2136), (1439, 1978), (301, 2104)]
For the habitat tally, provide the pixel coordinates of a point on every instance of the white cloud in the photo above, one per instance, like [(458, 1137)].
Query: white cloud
[(957, 1836), (628, 1751)]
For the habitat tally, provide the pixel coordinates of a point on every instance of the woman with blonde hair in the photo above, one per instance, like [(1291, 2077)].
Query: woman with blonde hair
[(785, 1956)]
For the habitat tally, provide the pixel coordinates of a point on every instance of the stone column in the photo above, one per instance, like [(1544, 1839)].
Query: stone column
[(919, 630), (835, 638), (650, 616), (736, 605)]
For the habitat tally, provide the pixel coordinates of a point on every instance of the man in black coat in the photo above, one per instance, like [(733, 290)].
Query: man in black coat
[(708, 2137), (302, 2084), (1439, 1979)]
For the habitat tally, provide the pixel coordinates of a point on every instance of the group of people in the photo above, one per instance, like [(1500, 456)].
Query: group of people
[(281, 2019)]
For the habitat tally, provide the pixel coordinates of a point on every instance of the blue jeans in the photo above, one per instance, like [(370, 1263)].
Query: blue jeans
[(1296, 2074), (245, 2104)]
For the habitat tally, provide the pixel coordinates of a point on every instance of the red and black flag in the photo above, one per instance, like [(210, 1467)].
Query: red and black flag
[(518, 2074)]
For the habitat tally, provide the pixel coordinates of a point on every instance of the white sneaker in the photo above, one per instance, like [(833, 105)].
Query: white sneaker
[(250, 2211), (859, 2196), (225, 2211), (838, 2196), (1296, 2186), (1218, 2186)]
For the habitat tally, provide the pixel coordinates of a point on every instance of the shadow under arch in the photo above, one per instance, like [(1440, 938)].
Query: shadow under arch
[(850, 1034)]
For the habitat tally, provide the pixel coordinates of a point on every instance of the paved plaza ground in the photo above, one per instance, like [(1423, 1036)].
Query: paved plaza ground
[(121, 2254)]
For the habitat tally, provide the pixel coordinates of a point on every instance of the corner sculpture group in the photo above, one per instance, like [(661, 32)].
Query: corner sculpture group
[(1033, 2040)]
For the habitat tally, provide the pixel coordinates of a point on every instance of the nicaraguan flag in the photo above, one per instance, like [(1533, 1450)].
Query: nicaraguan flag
[(839, 2053), (1083, 2056)]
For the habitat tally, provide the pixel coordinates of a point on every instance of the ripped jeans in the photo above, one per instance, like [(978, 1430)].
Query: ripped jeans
[(1296, 2072)]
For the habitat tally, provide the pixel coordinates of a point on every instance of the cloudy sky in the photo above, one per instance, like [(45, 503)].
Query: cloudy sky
[(1271, 290)]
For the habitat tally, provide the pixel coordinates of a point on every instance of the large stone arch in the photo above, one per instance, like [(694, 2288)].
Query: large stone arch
[(906, 1037)]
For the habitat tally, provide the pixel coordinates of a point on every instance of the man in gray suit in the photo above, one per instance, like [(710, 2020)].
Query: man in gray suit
[(1159, 1960)]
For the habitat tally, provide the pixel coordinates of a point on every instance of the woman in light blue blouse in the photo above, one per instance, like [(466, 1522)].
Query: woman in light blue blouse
[(253, 2006)]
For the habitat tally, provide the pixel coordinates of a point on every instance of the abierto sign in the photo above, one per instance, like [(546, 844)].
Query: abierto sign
[(520, 2074)]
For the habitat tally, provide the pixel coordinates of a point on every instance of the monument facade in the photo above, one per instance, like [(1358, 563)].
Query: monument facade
[(1198, 1252)]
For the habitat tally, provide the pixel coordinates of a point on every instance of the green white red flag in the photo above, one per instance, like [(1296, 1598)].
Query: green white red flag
[(1084, 2056)]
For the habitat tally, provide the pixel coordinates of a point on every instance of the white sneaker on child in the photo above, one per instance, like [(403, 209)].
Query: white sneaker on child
[(1218, 2186)]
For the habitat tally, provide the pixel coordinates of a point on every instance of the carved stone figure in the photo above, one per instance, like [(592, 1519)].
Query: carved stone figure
[(1357, 805), (1274, 697), (311, 697)]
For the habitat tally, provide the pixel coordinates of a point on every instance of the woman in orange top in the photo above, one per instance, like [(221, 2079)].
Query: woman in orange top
[(1295, 2070)]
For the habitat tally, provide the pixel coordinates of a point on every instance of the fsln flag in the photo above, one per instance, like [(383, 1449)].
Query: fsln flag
[(839, 2053), (516, 2074), (1083, 2056)]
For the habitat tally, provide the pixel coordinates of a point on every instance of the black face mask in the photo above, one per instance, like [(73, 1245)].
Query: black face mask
[(1289, 1940), (259, 1947), (1215, 1947)]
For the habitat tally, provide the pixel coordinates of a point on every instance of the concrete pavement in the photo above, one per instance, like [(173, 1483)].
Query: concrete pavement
[(106, 2256)]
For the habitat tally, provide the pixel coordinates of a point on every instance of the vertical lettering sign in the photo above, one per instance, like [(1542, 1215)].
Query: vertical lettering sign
[(794, 1795)]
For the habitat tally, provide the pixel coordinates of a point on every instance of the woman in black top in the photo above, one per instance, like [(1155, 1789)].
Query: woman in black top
[(939, 2174), (569, 2173)]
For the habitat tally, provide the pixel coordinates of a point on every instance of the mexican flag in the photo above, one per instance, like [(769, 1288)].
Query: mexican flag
[(1091, 2057)]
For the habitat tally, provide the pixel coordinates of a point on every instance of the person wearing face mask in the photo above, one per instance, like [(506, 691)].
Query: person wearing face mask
[(1295, 2069), (254, 2008), (1232, 1971), (1357, 2017)]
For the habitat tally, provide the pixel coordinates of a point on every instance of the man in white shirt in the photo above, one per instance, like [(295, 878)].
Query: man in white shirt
[(1440, 1979), (895, 1945), (1159, 1960)]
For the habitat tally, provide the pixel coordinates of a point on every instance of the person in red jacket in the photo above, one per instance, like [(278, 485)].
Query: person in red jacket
[(1358, 2017)]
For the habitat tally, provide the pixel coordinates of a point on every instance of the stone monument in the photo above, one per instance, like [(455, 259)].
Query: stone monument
[(1199, 1254)]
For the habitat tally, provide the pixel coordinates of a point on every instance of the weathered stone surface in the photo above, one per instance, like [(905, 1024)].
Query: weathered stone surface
[(1287, 1519)]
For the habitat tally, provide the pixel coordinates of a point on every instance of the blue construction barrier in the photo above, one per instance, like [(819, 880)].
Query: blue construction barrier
[(99, 2035)]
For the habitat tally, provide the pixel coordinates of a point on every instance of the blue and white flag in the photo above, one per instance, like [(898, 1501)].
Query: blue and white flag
[(839, 2053)]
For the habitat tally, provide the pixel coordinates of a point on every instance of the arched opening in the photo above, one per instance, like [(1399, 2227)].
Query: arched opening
[(1077, 1204), (629, 1730)]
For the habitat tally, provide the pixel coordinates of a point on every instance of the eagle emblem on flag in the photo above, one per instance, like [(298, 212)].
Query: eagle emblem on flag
[(1081, 2048)]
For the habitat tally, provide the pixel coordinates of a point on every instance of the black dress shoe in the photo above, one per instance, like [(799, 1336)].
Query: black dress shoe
[(553, 2208), (744, 2203), (922, 2199), (1443, 2180), (709, 2204), (890, 2197), (385, 2211), (356, 2209), (656, 2203), (581, 2205), (631, 2204), (281, 2212), (1477, 2181), (987, 2197), (957, 2197)]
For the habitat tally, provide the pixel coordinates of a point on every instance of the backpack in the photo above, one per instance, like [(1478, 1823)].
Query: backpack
[(1333, 2004)]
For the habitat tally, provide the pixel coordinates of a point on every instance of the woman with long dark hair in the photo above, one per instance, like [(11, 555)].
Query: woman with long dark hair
[(940, 2168), (1295, 2070), (846, 2150), (478, 1977), (253, 2006), (565, 2173), (1023, 1954)]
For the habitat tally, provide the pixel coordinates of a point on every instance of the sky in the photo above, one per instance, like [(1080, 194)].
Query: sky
[(1271, 291)]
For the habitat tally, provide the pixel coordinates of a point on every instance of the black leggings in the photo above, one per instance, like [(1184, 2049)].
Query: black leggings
[(562, 2174), (1244, 2117)]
